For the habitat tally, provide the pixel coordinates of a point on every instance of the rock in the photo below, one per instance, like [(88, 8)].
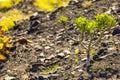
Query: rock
[(81, 78), (79, 4), (101, 52), (47, 47), (52, 44), (108, 12), (31, 30), (42, 59), (71, 42), (51, 56), (86, 10), (25, 77), (34, 16), (9, 77), (59, 43), (42, 54), (61, 55), (110, 54), (67, 56), (58, 51), (96, 57), (104, 44), (59, 36), (75, 1), (67, 51), (17, 27), (84, 59), (116, 31), (40, 78), (37, 47), (44, 77), (80, 70), (55, 75), (35, 23), (76, 43), (33, 26)]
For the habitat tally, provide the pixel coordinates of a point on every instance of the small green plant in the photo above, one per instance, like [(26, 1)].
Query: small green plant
[(88, 29), (105, 21), (63, 20)]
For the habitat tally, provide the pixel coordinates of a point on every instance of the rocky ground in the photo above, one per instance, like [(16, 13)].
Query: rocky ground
[(42, 51)]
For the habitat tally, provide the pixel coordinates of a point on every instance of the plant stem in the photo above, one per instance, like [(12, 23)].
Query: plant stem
[(66, 32), (99, 40), (88, 53), (101, 35), (82, 36)]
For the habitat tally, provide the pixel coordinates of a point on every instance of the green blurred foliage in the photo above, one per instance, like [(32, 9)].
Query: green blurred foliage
[(63, 19), (8, 3), (50, 5)]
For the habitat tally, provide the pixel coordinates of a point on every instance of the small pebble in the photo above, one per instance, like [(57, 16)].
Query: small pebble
[(47, 47), (61, 55), (67, 51), (116, 31)]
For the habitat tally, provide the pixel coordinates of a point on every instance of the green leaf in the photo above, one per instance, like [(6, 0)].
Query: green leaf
[(105, 20), (91, 26), (63, 19), (81, 23)]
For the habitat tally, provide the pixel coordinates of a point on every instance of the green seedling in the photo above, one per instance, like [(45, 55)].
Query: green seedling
[(63, 20), (104, 23), (88, 29)]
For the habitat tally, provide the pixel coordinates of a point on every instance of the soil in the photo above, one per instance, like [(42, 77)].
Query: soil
[(42, 50)]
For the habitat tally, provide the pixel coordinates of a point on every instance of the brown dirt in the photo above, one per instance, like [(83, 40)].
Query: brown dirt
[(41, 44)]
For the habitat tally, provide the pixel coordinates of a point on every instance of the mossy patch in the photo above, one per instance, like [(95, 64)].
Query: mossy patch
[(50, 5), (49, 69), (8, 3), (8, 18)]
